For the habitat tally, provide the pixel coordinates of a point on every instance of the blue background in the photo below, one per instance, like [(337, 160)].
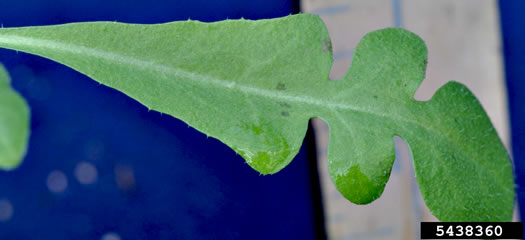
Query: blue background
[(178, 183), (185, 185), (513, 30)]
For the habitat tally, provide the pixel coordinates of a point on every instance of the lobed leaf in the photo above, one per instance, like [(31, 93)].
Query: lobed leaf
[(255, 84)]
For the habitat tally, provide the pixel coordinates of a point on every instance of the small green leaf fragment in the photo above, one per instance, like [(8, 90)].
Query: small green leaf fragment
[(14, 124)]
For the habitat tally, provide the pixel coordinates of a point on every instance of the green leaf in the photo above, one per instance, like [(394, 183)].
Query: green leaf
[(255, 84), (14, 124)]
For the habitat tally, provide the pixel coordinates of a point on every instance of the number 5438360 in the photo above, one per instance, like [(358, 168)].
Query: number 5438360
[(477, 231)]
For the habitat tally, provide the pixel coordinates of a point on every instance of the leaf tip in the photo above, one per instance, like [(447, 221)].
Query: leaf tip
[(266, 162), (357, 187)]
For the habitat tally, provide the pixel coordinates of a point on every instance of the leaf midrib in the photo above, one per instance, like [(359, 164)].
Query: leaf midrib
[(206, 80), (15, 40)]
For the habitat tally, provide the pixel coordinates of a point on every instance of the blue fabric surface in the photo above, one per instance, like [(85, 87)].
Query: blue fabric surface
[(156, 178), (513, 30)]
